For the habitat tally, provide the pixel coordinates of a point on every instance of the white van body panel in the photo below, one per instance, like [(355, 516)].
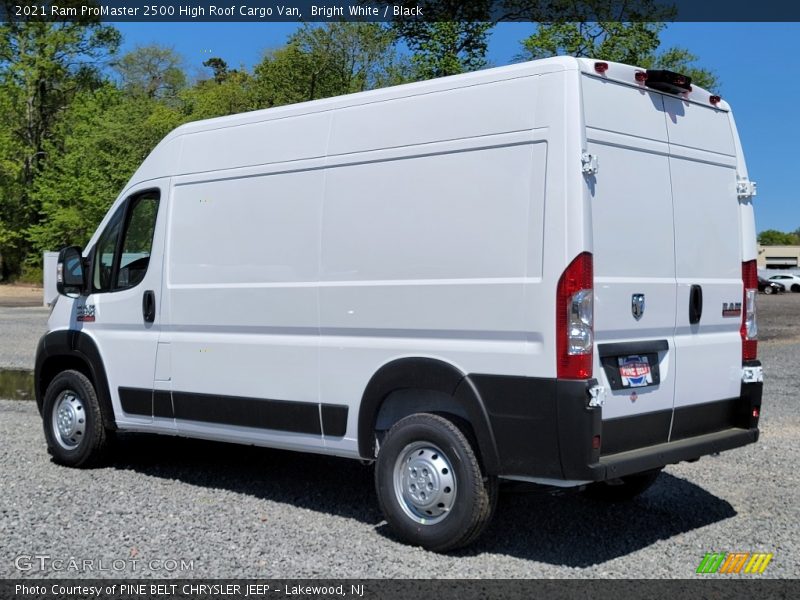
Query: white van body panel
[(328, 308)]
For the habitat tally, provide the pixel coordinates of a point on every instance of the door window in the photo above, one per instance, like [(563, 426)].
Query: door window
[(138, 241), (123, 253), (104, 254)]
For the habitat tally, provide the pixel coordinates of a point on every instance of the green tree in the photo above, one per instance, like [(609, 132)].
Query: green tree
[(329, 60), (104, 137), (633, 38), (453, 37), (226, 94), (284, 76), (773, 237), (447, 47), (43, 65), (152, 71), (12, 218), (219, 67)]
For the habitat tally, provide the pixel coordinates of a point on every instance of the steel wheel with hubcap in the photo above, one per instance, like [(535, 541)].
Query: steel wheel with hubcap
[(73, 423), (69, 420), (430, 484), (424, 483)]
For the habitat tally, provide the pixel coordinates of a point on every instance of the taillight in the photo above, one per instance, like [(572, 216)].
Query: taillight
[(575, 319), (749, 329)]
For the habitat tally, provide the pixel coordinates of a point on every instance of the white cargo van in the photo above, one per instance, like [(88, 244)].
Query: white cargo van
[(542, 272)]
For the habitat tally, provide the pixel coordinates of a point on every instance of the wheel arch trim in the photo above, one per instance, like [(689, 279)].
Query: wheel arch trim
[(75, 345), (425, 374)]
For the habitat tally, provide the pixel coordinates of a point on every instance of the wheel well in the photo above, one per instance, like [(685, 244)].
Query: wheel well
[(64, 349), (412, 385), (55, 365), (402, 403)]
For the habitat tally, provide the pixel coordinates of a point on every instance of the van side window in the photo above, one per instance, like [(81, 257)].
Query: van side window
[(122, 256)]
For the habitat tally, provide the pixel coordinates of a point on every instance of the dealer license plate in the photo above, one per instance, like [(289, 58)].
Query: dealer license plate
[(634, 371)]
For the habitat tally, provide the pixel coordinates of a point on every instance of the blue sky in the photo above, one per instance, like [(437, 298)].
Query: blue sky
[(754, 62)]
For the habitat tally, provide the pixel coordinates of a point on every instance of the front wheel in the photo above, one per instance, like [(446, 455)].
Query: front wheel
[(430, 484), (768, 290), (73, 425)]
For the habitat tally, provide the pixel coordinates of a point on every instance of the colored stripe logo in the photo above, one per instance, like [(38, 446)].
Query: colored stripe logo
[(728, 563)]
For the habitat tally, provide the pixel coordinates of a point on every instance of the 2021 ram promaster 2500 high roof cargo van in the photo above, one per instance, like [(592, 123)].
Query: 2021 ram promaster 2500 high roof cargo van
[(542, 272)]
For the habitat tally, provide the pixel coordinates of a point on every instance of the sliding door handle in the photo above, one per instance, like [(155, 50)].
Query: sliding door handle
[(695, 304)]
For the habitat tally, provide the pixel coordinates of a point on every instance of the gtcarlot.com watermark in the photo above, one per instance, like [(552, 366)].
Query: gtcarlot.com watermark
[(39, 563)]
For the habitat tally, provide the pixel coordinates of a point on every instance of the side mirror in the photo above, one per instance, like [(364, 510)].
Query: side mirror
[(69, 272)]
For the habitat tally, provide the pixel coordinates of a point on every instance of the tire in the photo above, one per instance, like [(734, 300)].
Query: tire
[(768, 290), (630, 487), (796, 287), (430, 484), (73, 424)]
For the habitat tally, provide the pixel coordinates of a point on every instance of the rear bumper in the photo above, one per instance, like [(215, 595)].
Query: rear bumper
[(544, 428), (653, 457)]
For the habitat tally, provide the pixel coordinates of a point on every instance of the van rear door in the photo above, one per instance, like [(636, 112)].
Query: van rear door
[(708, 264), (634, 262), (668, 263)]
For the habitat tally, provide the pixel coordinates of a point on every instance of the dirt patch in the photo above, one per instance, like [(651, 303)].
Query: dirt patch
[(12, 294)]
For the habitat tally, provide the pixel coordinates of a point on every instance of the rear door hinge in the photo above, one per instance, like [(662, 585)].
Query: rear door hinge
[(597, 395), (746, 188), (589, 163), (752, 375)]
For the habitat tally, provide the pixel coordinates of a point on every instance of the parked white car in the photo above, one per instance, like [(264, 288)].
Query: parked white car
[(788, 281)]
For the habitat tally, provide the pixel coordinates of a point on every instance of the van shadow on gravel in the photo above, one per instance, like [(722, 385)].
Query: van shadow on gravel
[(567, 529), (575, 531)]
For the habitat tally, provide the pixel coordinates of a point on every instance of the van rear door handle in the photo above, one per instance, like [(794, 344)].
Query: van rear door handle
[(149, 306), (695, 304)]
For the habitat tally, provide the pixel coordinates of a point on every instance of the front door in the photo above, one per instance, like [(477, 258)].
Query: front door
[(122, 311)]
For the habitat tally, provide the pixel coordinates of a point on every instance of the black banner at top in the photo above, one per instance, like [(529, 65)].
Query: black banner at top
[(321, 11)]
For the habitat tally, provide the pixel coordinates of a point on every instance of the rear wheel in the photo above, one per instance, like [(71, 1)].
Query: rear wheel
[(73, 425), (623, 489), (796, 287), (430, 484)]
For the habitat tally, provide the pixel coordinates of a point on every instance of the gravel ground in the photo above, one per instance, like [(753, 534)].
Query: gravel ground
[(20, 295), (779, 318), (20, 330), (247, 512)]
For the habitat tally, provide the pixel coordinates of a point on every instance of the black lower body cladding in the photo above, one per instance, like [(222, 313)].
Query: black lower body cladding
[(542, 427), (545, 428)]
